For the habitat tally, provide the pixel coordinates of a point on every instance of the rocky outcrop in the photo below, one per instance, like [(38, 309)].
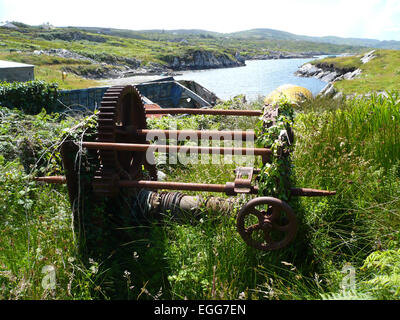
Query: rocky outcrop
[(272, 55), (327, 72), (330, 73), (200, 59), (368, 57), (71, 36), (64, 53), (94, 71)]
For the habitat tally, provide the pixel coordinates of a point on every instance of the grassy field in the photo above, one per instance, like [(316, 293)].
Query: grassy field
[(380, 74), (348, 146), (152, 46), (50, 68)]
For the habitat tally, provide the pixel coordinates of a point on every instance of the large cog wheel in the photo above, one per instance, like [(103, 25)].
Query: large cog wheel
[(121, 113)]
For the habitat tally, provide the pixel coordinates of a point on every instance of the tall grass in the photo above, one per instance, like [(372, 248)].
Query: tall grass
[(353, 149), (37, 237)]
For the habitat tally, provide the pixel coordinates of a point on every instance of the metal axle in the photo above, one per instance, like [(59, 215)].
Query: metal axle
[(175, 149), (202, 134), (223, 188), (249, 113)]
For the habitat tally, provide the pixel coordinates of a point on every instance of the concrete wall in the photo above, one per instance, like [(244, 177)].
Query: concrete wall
[(11, 74)]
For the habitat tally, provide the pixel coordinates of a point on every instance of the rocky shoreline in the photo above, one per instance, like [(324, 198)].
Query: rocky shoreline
[(112, 67), (272, 55), (330, 74), (327, 73)]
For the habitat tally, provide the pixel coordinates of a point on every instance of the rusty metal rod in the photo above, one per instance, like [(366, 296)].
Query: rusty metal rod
[(306, 192), (145, 184), (52, 179), (250, 113), (174, 149), (203, 134)]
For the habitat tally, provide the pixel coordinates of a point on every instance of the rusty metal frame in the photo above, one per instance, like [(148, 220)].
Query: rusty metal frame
[(107, 181)]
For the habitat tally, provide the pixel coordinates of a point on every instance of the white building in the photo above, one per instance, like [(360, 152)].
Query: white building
[(8, 25)]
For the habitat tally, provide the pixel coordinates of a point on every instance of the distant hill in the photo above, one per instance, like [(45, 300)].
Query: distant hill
[(264, 34), (252, 34), (271, 34), (183, 32)]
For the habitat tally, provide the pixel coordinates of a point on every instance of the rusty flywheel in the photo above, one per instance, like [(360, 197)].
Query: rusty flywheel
[(267, 223), (121, 113)]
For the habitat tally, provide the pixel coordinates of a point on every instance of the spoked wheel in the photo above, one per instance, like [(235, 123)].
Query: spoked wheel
[(121, 113), (267, 223)]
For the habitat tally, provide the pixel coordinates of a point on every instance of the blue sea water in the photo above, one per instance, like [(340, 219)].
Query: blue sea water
[(257, 78)]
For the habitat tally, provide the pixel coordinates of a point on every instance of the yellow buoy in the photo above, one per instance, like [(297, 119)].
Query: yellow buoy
[(292, 92)]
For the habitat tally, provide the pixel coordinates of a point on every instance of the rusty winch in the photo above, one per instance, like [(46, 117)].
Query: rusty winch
[(124, 154)]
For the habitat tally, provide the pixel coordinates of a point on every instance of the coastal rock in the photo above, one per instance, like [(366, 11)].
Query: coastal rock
[(239, 58), (352, 75), (64, 53), (200, 59), (71, 36), (280, 55), (94, 71), (328, 76), (326, 73), (308, 70), (328, 91), (368, 57)]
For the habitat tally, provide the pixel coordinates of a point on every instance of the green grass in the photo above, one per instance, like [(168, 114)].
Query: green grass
[(50, 68), (349, 146), (347, 62), (36, 220), (352, 148), (380, 74)]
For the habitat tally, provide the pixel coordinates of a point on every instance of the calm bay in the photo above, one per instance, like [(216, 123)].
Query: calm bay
[(257, 78)]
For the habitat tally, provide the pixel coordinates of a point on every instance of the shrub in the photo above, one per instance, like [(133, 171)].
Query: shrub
[(30, 97)]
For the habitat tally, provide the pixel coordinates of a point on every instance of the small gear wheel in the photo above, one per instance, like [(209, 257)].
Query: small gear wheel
[(267, 223)]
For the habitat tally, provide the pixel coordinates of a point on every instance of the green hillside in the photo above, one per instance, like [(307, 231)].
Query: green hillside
[(263, 34), (382, 73)]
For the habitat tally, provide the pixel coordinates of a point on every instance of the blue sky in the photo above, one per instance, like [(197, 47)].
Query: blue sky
[(377, 19)]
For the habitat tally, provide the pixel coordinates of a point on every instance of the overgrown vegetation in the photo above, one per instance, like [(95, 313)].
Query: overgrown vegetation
[(275, 177), (39, 256), (30, 96), (348, 146), (352, 147)]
